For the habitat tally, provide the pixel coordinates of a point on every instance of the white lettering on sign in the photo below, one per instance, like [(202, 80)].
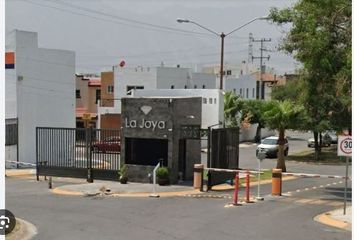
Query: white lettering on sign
[(344, 146), (145, 124)]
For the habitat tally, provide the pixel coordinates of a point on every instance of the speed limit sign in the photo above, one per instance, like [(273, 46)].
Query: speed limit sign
[(344, 146)]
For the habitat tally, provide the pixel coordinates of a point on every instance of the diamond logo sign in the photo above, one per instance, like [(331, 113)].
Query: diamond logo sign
[(146, 109)]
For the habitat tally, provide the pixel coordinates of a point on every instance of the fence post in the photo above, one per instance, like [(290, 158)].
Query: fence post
[(88, 155)]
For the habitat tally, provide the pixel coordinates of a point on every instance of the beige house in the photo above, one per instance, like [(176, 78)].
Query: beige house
[(108, 120), (88, 94)]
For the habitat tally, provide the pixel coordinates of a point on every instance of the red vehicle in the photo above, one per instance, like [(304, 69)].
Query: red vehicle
[(110, 144)]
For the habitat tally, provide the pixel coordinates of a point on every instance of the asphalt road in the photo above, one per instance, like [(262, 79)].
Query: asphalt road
[(289, 217), (64, 217)]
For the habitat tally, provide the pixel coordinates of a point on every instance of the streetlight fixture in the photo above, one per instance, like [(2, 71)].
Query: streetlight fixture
[(222, 36)]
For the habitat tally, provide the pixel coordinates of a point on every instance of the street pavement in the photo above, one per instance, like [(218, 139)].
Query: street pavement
[(104, 217), (190, 216)]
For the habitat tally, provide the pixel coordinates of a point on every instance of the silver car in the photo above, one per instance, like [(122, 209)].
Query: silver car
[(270, 146)]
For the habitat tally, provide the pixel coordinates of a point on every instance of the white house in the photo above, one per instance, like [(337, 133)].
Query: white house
[(39, 92), (212, 101), (128, 79)]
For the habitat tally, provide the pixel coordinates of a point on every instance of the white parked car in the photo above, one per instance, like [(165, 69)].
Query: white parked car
[(270, 146)]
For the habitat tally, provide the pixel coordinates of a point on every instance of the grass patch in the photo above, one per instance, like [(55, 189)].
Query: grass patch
[(328, 155), (266, 175)]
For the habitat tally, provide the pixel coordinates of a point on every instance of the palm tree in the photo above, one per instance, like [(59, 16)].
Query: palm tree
[(254, 108), (281, 116), (232, 107)]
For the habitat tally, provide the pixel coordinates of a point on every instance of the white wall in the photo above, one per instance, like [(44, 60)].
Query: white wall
[(46, 95), (212, 113), (244, 82), (139, 76)]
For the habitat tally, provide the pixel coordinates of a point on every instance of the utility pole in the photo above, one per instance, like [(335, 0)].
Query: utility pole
[(261, 66)]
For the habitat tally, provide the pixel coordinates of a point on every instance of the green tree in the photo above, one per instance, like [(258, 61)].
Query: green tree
[(255, 109), (232, 108), (281, 116), (320, 38)]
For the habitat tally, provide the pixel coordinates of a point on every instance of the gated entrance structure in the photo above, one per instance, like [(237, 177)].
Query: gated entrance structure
[(223, 152), (78, 152)]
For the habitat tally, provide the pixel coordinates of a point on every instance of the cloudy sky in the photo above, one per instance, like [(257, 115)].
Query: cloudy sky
[(145, 32)]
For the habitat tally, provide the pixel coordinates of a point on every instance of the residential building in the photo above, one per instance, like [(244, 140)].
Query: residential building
[(128, 79), (88, 94), (38, 92), (212, 101)]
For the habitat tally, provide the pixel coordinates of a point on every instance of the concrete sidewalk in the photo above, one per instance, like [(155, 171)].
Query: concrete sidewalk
[(336, 218)]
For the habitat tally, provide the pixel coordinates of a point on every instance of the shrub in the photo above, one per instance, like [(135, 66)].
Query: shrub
[(163, 173)]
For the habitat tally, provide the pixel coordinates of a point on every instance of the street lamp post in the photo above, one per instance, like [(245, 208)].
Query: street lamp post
[(222, 36)]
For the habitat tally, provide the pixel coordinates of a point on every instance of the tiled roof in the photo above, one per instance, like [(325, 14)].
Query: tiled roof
[(94, 82)]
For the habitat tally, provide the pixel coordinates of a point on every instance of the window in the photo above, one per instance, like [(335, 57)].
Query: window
[(214, 100), (228, 72), (210, 101), (11, 133), (110, 89), (185, 87), (252, 92), (98, 95), (247, 93), (195, 86), (129, 88), (203, 87), (234, 90), (78, 94), (172, 86), (205, 101), (241, 92)]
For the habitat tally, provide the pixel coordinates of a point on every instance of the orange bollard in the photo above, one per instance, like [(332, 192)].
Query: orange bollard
[(198, 176), (276, 182), (236, 189)]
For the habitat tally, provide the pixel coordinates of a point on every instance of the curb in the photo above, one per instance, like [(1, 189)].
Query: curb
[(20, 173), (224, 187), (138, 194), (326, 219), (26, 231)]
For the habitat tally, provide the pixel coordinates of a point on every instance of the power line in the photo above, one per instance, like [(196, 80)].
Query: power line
[(152, 27)]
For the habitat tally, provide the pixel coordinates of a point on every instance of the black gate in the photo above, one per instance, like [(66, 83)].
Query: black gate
[(78, 152), (223, 152)]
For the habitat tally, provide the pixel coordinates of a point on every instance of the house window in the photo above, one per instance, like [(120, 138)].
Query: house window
[(228, 72), (210, 101), (195, 86), (172, 86), (247, 93), (252, 92), (11, 134), (203, 87), (234, 90), (205, 101), (129, 88), (78, 95), (110, 89), (98, 95), (241, 92), (185, 87), (214, 100)]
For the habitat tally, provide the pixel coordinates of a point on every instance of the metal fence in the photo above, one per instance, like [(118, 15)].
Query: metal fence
[(78, 152), (223, 153)]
